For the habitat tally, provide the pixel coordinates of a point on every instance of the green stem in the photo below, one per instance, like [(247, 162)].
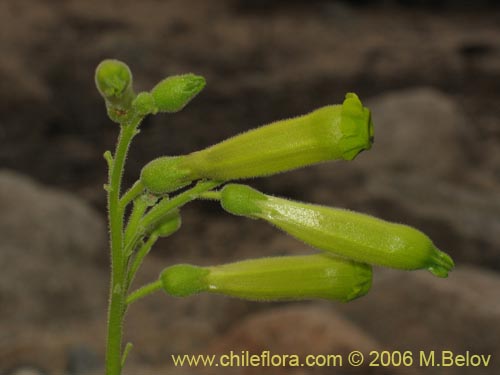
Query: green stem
[(132, 232), (140, 207), (135, 191), (118, 261), (120, 278), (144, 291), (126, 352), (157, 213), (210, 195), (131, 245), (139, 257)]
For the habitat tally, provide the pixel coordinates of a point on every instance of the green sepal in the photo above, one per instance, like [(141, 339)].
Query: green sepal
[(183, 280), (346, 233), (165, 174), (241, 200), (175, 92)]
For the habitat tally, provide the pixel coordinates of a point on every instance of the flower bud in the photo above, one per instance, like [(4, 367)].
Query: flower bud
[(329, 133), (114, 82), (349, 234), (169, 225), (175, 92), (144, 104), (274, 279)]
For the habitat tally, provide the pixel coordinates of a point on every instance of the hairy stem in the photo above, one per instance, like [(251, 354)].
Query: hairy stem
[(118, 261), (135, 191), (140, 207), (139, 257), (144, 291), (210, 195), (157, 213), (126, 352)]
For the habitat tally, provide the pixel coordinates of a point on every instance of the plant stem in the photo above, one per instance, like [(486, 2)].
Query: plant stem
[(120, 278), (126, 352), (140, 207), (132, 193), (118, 261), (144, 291), (155, 215), (210, 195), (139, 257)]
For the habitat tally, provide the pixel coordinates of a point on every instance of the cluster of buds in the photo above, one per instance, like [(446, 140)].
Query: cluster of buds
[(114, 82)]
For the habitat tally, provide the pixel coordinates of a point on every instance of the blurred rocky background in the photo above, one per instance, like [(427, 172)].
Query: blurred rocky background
[(430, 72)]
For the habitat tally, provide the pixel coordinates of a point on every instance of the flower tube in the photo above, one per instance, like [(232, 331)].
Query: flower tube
[(349, 234), (329, 133), (273, 279)]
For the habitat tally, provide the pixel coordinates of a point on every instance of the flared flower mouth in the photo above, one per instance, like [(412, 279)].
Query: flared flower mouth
[(357, 127)]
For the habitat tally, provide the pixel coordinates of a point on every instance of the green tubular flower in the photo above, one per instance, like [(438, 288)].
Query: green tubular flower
[(330, 133), (349, 234), (273, 279)]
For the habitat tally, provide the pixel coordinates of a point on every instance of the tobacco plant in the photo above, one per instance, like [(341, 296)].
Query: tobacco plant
[(347, 243)]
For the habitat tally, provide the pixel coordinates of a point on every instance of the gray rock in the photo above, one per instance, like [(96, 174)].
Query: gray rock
[(416, 130), (295, 329), (82, 360), (461, 219), (35, 288), (26, 370), (48, 222), (417, 311), (45, 347), (50, 242)]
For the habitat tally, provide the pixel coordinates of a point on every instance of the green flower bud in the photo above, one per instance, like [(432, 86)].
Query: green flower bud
[(349, 234), (173, 93), (114, 82), (274, 279), (144, 104), (169, 225), (329, 133)]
